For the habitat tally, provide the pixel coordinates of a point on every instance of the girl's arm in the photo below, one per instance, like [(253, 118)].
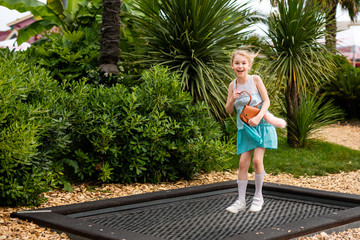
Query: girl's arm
[(229, 107), (266, 101)]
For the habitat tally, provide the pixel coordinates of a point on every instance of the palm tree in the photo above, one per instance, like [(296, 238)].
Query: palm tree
[(110, 37), (194, 38), (296, 55), (329, 7)]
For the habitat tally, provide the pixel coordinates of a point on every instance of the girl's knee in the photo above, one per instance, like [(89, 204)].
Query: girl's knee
[(244, 164), (258, 163)]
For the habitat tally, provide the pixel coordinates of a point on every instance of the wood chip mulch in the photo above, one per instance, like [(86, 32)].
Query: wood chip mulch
[(345, 134)]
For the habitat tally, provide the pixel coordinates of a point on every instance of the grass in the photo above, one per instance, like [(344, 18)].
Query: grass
[(317, 158)]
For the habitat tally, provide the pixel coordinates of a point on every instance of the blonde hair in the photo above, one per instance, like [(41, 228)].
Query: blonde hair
[(250, 56)]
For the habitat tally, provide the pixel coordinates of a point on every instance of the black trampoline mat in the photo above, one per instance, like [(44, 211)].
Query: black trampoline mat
[(198, 213), (205, 218)]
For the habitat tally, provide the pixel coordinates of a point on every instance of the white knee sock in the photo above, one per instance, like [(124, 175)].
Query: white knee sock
[(242, 184), (259, 180)]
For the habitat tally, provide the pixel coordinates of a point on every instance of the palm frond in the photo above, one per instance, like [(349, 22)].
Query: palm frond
[(294, 34), (194, 38), (313, 114)]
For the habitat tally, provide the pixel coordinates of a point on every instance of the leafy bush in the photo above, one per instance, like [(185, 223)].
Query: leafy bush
[(68, 56), (344, 88), (53, 134), (24, 110), (152, 132)]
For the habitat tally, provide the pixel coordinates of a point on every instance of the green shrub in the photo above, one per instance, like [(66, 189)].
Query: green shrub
[(54, 134), (152, 132), (344, 88), (24, 108), (68, 56)]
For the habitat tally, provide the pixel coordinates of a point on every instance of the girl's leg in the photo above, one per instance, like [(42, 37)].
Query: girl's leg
[(258, 160), (244, 164), (242, 181), (258, 200), (243, 171), (275, 121)]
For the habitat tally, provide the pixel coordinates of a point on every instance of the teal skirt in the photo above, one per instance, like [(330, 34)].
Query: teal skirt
[(267, 133)]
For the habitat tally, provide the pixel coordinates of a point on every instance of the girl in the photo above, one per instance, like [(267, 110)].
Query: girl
[(241, 62)]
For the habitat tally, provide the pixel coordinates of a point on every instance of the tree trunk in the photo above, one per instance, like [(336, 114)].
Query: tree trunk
[(110, 37), (292, 104), (330, 38)]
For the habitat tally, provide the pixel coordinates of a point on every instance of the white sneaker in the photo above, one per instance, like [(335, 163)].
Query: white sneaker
[(236, 207), (257, 204)]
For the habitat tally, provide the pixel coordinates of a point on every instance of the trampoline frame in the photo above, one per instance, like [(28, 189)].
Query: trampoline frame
[(59, 218)]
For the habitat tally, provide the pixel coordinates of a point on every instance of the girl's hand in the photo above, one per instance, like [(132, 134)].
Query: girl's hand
[(236, 95), (253, 122)]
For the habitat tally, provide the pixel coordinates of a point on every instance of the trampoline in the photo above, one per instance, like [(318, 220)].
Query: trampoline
[(198, 213)]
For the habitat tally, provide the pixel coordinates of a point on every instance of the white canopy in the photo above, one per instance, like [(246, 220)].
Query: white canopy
[(348, 43)]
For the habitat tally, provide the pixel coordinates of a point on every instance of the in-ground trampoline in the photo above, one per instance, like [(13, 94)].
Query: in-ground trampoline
[(198, 213)]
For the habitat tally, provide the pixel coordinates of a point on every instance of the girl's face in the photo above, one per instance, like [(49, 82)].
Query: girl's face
[(241, 66)]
